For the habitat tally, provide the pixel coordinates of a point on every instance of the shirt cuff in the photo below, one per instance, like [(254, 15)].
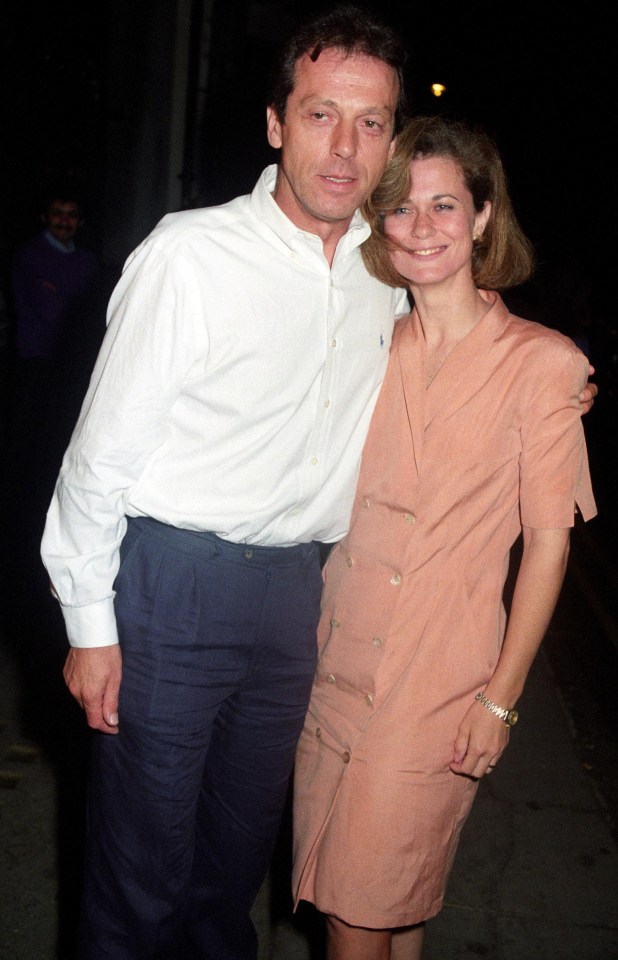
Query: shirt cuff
[(93, 625)]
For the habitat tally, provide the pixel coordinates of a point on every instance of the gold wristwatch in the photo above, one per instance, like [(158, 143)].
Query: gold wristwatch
[(510, 717)]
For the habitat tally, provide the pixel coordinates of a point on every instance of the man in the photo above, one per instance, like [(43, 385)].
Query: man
[(54, 291), (220, 439), (50, 276)]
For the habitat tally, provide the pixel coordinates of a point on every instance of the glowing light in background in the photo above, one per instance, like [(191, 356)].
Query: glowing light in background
[(438, 89)]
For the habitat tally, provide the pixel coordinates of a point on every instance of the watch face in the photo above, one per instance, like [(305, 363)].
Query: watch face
[(512, 717)]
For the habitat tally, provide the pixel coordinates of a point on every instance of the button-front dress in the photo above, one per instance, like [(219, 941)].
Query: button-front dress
[(413, 616)]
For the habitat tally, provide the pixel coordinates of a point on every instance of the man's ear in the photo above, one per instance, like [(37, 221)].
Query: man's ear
[(273, 127)]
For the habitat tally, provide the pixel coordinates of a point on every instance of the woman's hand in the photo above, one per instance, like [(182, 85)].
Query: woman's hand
[(481, 740)]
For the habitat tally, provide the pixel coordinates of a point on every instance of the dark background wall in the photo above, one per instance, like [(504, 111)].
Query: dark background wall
[(141, 96), (159, 105)]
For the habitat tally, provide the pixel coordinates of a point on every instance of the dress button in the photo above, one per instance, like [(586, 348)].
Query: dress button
[(377, 641), (396, 579), (409, 517), (248, 553), (346, 756), (330, 678), (334, 622), (349, 561), (369, 700)]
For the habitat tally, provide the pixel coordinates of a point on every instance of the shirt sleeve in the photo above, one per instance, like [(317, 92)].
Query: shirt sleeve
[(554, 469), (149, 346)]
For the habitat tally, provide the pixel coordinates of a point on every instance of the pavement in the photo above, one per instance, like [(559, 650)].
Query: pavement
[(536, 876)]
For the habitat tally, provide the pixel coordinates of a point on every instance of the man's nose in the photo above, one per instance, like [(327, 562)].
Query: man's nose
[(345, 141)]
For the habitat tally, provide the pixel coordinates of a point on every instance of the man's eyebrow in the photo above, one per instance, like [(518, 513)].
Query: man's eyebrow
[(327, 102)]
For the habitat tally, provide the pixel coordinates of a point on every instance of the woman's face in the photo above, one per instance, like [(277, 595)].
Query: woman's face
[(435, 226)]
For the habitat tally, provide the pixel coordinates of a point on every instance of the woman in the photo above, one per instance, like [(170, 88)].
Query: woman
[(476, 436)]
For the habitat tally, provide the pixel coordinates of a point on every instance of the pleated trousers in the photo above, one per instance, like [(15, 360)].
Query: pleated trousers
[(218, 648)]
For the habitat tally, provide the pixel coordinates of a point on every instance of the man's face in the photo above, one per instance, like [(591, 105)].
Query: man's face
[(336, 138), (62, 219)]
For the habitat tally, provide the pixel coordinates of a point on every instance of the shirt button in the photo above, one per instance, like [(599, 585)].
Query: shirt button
[(349, 561), (346, 756), (365, 501), (377, 641), (327, 403), (333, 343), (369, 700), (409, 517), (314, 460), (334, 622), (396, 579), (330, 678), (318, 733)]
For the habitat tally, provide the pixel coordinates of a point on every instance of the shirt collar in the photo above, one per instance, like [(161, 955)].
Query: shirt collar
[(64, 248), (267, 211)]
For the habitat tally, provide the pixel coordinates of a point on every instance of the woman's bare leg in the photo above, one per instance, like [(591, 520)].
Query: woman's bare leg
[(408, 943), (344, 942)]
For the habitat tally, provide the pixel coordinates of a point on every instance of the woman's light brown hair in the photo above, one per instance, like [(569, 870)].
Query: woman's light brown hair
[(504, 256)]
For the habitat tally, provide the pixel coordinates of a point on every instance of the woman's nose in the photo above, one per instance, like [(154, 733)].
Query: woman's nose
[(422, 225)]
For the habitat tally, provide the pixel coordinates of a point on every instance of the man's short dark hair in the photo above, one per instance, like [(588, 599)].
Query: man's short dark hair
[(347, 28), (60, 190)]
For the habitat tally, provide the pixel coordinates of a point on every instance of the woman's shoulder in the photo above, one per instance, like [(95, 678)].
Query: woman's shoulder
[(541, 340)]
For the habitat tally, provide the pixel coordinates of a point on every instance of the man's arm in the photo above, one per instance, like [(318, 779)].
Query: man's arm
[(135, 382)]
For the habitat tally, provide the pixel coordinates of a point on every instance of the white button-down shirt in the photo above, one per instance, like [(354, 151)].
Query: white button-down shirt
[(232, 393)]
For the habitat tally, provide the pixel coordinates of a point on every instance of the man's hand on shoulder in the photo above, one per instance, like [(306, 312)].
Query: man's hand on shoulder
[(588, 394), (93, 675)]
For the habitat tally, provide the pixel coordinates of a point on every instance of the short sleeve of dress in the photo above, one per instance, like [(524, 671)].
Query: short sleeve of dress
[(554, 469)]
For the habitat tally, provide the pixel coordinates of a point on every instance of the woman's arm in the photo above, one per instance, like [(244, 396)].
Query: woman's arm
[(482, 737)]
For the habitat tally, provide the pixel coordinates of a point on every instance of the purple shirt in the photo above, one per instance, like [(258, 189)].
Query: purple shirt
[(48, 283)]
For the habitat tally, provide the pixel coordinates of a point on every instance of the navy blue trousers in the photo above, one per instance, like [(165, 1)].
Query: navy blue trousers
[(219, 651)]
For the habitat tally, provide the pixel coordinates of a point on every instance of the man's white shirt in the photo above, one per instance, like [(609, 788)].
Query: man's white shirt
[(232, 393)]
